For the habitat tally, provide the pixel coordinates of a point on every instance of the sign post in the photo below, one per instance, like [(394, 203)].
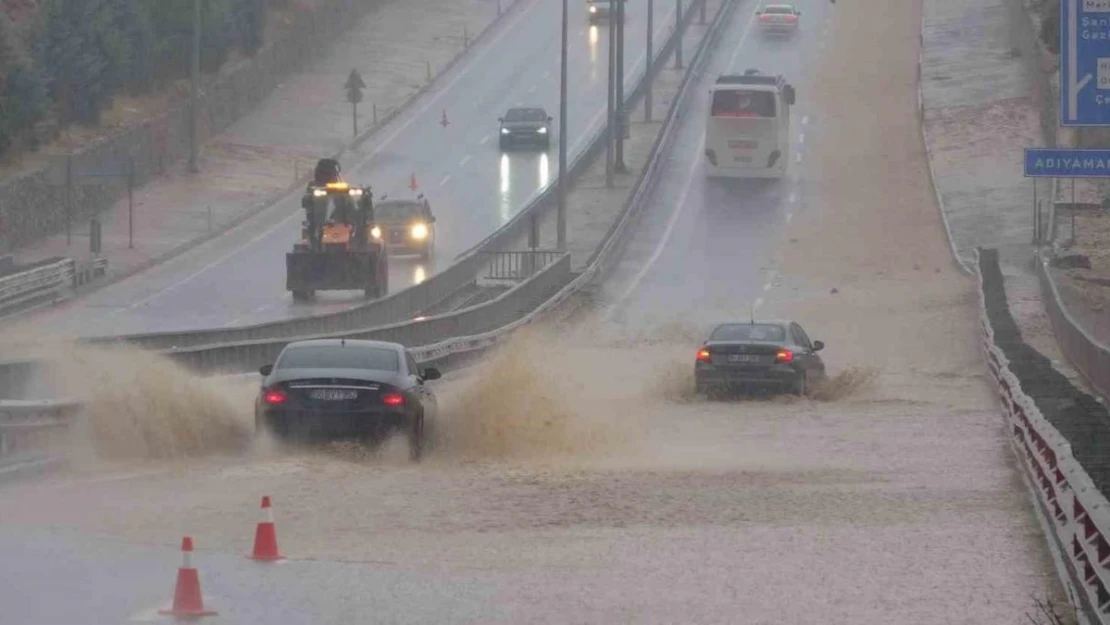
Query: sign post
[(1085, 62), (354, 87)]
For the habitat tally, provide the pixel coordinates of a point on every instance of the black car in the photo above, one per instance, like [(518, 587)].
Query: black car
[(529, 126), (340, 388), (758, 354), (407, 226)]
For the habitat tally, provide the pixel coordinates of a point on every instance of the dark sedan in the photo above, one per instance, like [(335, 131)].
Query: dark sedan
[(527, 126), (339, 388), (775, 354)]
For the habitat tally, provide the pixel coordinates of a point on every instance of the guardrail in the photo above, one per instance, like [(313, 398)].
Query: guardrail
[(24, 424), (1074, 514), (518, 265), (1090, 357), (409, 302), (46, 282)]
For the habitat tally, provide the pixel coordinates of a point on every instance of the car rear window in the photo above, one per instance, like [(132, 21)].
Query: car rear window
[(748, 332), (778, 9), (525, 115), (339, 357), (740, 103)]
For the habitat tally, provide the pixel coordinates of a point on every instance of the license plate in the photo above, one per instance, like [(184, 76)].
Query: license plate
[(738, 144), (331, 394), (742, 159), (742, 358)]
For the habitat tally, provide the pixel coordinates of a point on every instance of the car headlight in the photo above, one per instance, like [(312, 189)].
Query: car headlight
[(319, 193), (542, 131), (593, 9), (376, 232), (419, 231), (356, 192), (504, 131)]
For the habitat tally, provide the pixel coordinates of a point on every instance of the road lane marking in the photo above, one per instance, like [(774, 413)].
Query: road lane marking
[(792, 197), (467, 157), (680, 205), (789, 216), (445, 179), (484, 140)]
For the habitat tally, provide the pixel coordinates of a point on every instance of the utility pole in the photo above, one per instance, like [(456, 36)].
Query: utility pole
[(193, 89), (561, 217), (678, 34), (647, 71), (609, 108), (618, 164)]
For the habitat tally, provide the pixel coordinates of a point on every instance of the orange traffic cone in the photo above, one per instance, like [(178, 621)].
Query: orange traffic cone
[(265, 536), (412, 182), (187, 600)]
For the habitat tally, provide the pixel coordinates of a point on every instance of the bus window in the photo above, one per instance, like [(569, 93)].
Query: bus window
[(731, 103)]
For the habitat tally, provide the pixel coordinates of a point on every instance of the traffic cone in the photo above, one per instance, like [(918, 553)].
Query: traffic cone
[(187, 600), (444, 121), (265, 536), (412, 182)]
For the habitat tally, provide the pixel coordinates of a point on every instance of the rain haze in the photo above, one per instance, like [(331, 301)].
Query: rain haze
[(730, 368)]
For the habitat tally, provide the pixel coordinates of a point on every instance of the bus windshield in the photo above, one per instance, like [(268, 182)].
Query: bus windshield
[(740, 103)]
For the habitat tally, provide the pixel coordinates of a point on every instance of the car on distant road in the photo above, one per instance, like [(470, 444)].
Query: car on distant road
[(758, 354), (406, 225), (343, 389), (779, 18), (530, 126), (599, 9)]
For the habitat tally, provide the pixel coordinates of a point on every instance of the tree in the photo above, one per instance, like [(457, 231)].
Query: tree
[(67, 49), (24, 100)]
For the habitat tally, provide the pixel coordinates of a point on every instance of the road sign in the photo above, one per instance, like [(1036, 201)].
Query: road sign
[(1085, 62), (1057, 163)]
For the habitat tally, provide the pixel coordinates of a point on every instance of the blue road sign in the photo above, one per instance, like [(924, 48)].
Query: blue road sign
[(1085, 62), (1057, 163)]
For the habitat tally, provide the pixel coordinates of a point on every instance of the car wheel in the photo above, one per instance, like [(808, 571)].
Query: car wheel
[(302, 296), (416, 438), (801, 384), (504, 144)]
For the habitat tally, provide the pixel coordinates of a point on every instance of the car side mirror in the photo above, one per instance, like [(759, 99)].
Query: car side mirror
[(549, 118), (797, 12), (818, 346), (759, 12), (501, 119), (266, 370), (431, 220), (431, 373)]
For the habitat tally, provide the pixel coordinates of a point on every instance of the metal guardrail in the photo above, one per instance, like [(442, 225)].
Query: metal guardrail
[(36, 285), (24, 422), (409, 302), (1090, 357), (1074, 514), (518, 265)]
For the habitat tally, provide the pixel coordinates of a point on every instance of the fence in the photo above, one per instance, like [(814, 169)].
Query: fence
[(1065, 473)]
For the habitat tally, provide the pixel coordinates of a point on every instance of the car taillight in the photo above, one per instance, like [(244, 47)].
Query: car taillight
[(764, 17), (274, 397), (703, 355), (393, 399), (791, 18), (784, 355)]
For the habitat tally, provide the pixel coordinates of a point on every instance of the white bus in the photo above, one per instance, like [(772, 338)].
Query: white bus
[(747, 134)]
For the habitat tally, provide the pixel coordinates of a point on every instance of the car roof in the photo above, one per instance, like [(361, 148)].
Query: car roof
[(758, 322), (346, 342), (785, 7), (527, 109)]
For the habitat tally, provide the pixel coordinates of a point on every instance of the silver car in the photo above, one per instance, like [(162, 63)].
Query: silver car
[(779, 18)]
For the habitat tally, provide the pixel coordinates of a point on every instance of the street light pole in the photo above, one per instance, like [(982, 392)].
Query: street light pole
[(561, 216), (609, 106), (647, 71), (618, 158), (194, 75)]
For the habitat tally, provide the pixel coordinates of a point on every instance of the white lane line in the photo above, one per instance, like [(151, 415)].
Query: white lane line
[(767, 287), (484, 140), (793, 197), (801, 137), (680, 206), (805, 120), (797, 158), (758, 302), (435, 97), (789, 216), (445, 179), (467, 157), (533, 89)]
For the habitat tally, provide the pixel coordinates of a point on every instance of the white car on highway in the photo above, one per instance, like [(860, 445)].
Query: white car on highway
[(779, 18)]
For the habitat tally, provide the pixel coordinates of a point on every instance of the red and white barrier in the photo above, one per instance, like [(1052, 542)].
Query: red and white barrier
[(1069, 504)]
